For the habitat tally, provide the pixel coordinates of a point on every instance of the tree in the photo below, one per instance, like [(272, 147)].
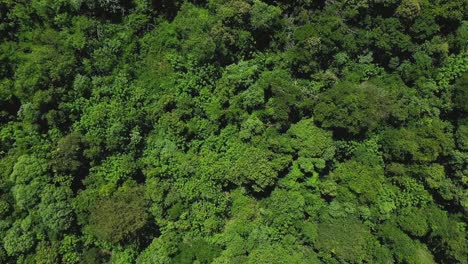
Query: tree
[(253, 166), (356, 108), (55, 209), (19, 239), (29, 175), (461, 93), (68, 156), (408, 9), (197, 250), (348, 240), (366, 182), (284, 209), (263, 15), (120, 217), (278, 253), (403, 247), (425, 141), (233, 131), (311, 141)]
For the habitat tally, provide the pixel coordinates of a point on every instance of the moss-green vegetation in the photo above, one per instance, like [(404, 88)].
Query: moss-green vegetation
[(233, 131)]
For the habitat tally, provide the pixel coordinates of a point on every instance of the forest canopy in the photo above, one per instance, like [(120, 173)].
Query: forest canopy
[(233, 131)]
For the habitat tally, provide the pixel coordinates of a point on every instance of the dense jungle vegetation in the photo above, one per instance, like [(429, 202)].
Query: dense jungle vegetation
[(233, 131)]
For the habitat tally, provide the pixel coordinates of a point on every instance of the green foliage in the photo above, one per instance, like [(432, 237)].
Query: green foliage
[(349, 240), (45, 254), (196, 251), (120, 216), (413, 220), (158, 251), (264, 15), (67, 157), (423, 142), (404, 248), (461, 93), (19, 239), (311, 141), (408, 9), (253, 166), (29, 176), (285, 209), (55, 209), (278, 254), (356, 108), (233, 131), (364, 181)]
